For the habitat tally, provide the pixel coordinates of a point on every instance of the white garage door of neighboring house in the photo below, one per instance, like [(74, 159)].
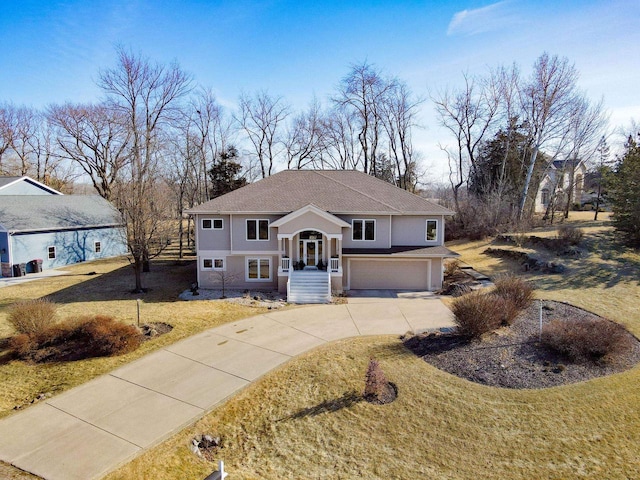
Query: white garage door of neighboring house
[(391, 274)]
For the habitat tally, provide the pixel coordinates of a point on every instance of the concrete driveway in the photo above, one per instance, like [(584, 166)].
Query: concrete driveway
[(90, 430)]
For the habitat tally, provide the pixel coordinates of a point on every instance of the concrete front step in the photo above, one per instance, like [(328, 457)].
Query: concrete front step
[(309, 287)]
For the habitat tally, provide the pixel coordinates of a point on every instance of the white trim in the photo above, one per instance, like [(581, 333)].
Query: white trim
[(231, 233), (363, 220), (246, 269), (212, 220), (390, 230), (311, 208), (213, 267), (426, 230), (27, 179), (257, 220)]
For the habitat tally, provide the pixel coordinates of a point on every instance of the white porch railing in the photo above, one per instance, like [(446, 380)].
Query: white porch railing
[(334, 264), (285, 264)]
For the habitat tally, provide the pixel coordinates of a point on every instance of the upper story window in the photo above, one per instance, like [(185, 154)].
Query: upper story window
[(432, 230), (257, 229), (363, 229), (212, 224)]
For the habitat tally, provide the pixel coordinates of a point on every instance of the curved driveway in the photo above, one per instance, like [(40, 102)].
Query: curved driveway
[(92, 429)]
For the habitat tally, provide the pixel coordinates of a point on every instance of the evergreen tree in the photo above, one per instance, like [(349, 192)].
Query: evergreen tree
[(625, 193), (225, 173)]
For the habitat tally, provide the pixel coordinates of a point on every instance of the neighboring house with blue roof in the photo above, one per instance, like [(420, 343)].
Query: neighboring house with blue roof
[(55, 228)]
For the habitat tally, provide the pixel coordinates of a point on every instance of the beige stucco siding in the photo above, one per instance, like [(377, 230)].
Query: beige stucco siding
[(211, 239), (412, 230), (382, 232), (310, 221), (236, 274), (239, 234)]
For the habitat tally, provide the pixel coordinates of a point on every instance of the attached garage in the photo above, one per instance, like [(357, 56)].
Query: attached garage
[(400, 274)]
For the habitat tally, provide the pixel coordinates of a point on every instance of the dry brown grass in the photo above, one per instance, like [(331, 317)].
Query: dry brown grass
[(103, 288), (305, 421)]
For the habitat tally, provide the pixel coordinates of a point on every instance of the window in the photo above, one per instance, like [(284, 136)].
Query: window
[(51, 252), (544, 196), (97, 247), (213, 263), (212, 223), (257, 229), (258, 269), (363, 230), (432, 230)]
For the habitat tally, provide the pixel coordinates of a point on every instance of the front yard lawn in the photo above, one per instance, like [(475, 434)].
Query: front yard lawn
[(103, 288), (306, 419)]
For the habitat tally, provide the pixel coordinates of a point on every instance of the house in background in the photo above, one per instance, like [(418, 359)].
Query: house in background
[(557, 181), (39, 223), (24, 186), (310, 232)]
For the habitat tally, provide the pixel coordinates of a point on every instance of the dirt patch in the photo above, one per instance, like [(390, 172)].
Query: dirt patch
[(154, 329), (512, 357)]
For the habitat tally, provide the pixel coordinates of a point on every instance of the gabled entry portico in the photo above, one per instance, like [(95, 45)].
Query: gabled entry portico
[(310, 238)]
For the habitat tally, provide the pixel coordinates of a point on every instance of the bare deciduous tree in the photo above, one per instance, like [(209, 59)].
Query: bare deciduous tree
[(362, 93), (261, 117), (96, 138), (469, 115), (548, 102), (148, 96)]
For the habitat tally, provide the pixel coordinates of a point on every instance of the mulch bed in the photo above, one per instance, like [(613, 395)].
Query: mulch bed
[(512, 357)]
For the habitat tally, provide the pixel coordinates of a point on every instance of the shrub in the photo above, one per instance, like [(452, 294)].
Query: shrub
[(32, 316), (515, 289), (591, 340), (451, 268), (505, 309), (570, 234), (377, 388), (75, 339), (107, 336), (475, 314)]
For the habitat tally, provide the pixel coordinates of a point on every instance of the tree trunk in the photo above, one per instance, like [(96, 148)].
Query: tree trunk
[(527, 182)]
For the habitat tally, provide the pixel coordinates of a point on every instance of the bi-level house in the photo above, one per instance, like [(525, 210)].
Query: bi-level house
[(310, 232)]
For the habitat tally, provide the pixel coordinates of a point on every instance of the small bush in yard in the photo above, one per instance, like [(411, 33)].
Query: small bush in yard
[(451, 268), (475, 314), (32, 316), (516, 289), (377, 388), (592, 340), (570, 234), (83, 337)]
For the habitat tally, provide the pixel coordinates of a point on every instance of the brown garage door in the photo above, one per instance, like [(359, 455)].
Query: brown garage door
[(383, 274)]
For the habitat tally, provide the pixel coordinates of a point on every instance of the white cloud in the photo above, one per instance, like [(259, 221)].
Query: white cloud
[(479, 20)]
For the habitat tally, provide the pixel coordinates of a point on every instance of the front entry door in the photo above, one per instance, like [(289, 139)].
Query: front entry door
[(310, 251)]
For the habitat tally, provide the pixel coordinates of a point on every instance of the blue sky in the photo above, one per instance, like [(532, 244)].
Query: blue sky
[(52, 50)]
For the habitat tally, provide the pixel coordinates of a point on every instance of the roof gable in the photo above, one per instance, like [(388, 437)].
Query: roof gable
[(11, 186), (335, 191)]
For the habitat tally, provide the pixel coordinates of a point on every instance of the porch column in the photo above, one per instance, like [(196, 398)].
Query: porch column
[(339, 241)]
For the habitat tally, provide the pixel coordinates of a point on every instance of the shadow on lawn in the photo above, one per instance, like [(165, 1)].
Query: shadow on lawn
[(328, 406), (166, 280)]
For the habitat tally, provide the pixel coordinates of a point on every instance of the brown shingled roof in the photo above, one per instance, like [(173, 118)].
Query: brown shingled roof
[(335, 191)]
